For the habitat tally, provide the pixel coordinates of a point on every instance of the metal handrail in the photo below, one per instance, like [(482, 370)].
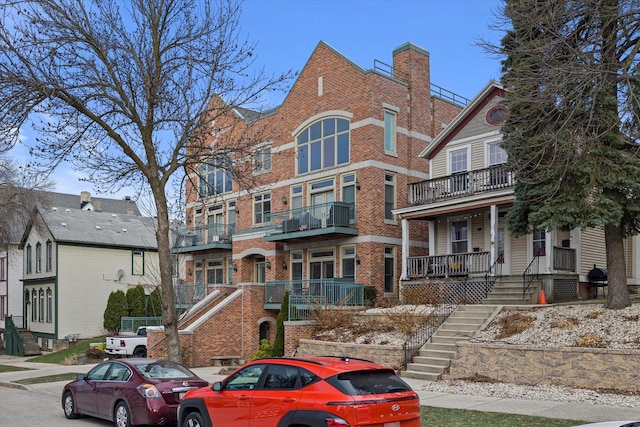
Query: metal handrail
[(455, 293), (528, 276), (492, 274)]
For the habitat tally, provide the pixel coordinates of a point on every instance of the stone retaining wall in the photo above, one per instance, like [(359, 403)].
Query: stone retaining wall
[(568, 366), (383, 354)]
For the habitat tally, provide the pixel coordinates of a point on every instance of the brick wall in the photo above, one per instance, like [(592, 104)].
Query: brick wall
[(568, 366)]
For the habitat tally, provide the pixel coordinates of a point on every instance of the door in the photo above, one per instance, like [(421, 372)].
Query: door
[(113, 386), (232, 405), (87, 391), (321, 267), (279, 394), (322, 198)]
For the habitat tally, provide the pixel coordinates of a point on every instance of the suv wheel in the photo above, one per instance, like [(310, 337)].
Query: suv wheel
[(194, 419)]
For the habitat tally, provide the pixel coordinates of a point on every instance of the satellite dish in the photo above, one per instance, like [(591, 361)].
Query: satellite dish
[(120, 274)]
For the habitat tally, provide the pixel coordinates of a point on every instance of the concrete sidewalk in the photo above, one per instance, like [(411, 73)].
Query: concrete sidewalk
[(540, 408)]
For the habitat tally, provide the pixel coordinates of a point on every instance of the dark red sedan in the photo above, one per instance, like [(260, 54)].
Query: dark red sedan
[(130, 391)]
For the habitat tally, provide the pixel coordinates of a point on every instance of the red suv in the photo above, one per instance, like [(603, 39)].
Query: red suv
[(304, 392)]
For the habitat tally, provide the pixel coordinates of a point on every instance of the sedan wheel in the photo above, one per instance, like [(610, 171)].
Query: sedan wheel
[(69, 405), (194, 419), (122, 416)]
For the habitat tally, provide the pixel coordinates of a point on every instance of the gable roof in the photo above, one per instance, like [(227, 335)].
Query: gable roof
[(491, 90), (78, 226), (18, 219)]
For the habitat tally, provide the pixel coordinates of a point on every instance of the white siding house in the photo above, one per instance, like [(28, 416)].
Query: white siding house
[(73, 260)]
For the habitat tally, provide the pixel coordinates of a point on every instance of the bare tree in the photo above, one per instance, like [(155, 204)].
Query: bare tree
[(571, 69), (19, 193), (119, 88)]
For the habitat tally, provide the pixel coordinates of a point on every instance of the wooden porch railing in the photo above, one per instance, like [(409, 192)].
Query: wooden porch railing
[(448, 265), (564, 259), (460, 185)]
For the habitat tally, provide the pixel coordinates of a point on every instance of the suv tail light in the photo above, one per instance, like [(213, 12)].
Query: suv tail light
[(335, 422)]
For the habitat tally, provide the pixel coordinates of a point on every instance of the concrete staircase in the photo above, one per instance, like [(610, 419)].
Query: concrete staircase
[(31, 347), (436, 355), (508, 291)]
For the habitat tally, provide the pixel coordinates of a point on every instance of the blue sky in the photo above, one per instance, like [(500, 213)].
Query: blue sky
[(287, 32)]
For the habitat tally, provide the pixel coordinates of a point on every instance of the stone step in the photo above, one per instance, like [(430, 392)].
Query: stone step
[(433, 359), (427, 376), (465, 320), (442, 339), (464, 334), (439, 346), (423, 367), (433, 353)]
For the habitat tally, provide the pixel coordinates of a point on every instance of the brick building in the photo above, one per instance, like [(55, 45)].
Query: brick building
[(326, 168)]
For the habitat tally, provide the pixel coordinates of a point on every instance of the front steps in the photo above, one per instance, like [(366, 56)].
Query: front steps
[(436, 355), (508, 291), (31, 347)]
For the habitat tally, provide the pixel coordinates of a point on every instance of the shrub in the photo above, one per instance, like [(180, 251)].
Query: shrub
[(370, 295), (94, 353), (136, 301), (116, 308), (514, 323), (154, 303), (283, 315), (407, 319), (590, 340), (265, 350)]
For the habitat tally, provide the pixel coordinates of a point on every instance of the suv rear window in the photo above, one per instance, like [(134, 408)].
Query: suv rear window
[(358, 383)]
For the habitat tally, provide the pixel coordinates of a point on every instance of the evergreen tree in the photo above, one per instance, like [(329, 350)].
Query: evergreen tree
[(116, 308), (136, 301), (283, 316), (571, 74), (154, 304)]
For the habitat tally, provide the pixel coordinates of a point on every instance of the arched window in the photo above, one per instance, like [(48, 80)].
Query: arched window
[(34, 305), (49, 306), (29, 260), (38, 257), (322, 145), (49, 255)]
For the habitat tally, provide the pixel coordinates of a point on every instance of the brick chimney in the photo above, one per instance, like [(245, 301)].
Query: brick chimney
[(85, 197)]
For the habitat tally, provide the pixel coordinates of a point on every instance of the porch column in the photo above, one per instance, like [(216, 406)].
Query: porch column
[(548, 250), (432, 238), (493, 227), (635, 259), (405, 247)]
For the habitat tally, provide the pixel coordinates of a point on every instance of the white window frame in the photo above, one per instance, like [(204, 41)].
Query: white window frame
[(390, 181), (137, 263), (262, 159), (390, 131), (390, 253), (261, 199), (492, 157)]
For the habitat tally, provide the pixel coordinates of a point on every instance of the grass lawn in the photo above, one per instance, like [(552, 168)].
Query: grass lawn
[(9, 368), (444, 417), (49, 378), (68, 355)]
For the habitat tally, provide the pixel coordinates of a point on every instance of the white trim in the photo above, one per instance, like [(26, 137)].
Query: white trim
[(324, 115)]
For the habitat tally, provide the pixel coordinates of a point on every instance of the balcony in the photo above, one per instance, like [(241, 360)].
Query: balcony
[(316, 220), (451, 265), (460, 185), (201, 237), (336, 291)]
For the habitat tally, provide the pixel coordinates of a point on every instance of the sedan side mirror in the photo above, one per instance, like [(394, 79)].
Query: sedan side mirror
[(80, 377)]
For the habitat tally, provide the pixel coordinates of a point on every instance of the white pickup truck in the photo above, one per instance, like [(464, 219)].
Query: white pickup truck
[(128, 345)]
